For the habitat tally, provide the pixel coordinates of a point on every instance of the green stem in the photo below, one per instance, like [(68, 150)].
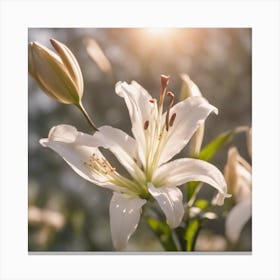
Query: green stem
[(84, 112), (194, 195), (191, 234), (192, 247)]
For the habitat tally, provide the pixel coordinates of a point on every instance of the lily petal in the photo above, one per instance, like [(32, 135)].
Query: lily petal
[(237, 218), (76, 148), (170, 201), (124, 218), (184, 170), (140, 109), (190, 113)]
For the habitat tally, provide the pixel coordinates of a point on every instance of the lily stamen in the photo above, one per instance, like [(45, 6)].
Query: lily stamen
[(99, 165), (172, 119), (170, 104), (146, 125)]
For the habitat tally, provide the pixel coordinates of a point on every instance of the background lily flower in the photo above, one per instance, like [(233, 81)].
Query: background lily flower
[(158, 137), (238, 174)]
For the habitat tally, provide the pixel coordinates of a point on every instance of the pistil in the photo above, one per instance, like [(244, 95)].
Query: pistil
[(155, 140), (164, 82)]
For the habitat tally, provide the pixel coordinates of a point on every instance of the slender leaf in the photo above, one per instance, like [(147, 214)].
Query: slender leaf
[(210, 149)]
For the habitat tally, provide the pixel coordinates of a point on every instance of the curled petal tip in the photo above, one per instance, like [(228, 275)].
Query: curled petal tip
[(43, 142), (216, 111), (219, 199)]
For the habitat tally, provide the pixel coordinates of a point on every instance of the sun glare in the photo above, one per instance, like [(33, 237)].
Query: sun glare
[(158, 33), (157, 38)]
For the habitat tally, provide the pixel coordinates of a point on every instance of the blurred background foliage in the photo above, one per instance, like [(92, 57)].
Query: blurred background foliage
[(67, 213)]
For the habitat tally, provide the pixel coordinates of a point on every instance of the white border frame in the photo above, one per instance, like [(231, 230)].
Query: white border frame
[(17, 16)]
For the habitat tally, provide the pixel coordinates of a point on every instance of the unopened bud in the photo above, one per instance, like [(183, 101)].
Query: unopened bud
[(196, 141), (249, 141), (238, 175), (59, 75), (189, 89)]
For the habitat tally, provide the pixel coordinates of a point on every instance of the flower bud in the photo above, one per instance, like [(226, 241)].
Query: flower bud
[(249, 141), (189, 89), (59, 75), (238, 175)]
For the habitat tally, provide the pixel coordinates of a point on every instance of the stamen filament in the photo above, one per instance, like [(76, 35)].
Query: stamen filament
[(101, 167), (122, 181)]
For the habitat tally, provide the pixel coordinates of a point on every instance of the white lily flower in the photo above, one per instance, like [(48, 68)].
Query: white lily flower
[(157, 138), (238, 174)]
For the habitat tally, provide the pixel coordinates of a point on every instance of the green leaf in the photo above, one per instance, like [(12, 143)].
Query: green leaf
[(191, 234), (210, 150), (164, 234)]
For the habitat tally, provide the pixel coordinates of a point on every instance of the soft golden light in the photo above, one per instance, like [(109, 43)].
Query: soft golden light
[(163, 40), (158, 32)]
